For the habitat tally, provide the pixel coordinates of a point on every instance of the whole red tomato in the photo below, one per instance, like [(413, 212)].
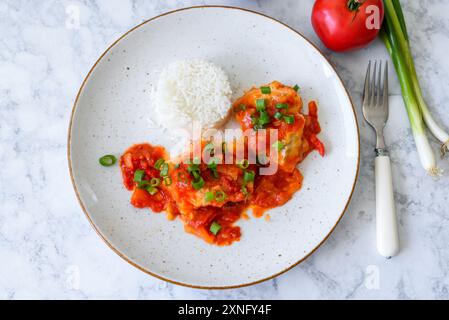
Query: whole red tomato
[(345, 25)]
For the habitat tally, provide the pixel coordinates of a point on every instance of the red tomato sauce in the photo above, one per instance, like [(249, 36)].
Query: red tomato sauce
[(143, 157), (274, 190), (226, 216), (177, 195)]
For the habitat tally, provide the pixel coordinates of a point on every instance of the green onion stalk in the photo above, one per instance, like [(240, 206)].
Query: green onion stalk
[(394, 35), (433, 126)]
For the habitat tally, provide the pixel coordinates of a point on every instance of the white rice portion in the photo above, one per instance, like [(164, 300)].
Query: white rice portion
[(191, 91)]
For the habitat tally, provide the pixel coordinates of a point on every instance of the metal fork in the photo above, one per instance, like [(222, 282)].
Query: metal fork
[(375, 111)]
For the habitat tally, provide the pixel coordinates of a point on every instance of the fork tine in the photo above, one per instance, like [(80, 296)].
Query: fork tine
[(378, 86), (375, 100), (373, 85), (366, 90), (385, 89)]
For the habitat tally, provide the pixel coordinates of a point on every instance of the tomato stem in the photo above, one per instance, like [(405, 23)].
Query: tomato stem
[(354, 5)]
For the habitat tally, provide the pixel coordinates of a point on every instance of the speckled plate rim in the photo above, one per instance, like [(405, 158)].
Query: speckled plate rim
[(127, 259)]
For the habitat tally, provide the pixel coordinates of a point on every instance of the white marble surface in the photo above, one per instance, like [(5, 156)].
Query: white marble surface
[(48, 249)]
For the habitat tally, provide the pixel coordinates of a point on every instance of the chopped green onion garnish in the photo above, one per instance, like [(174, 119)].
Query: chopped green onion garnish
[(260, 104), (155, 182), (212, 164), (244, 164), (164, 170), (296, 88), (143, 184), (244, 190), (196, 174), (289, 119), (209, 147), (279, 145), (254, 119), (258, 123), (281, 106), (220, 196), (159, 163), (193, 167), (264, 118), (209, 196), (265, 90), (177, 166), (213, 168), (152, 190), (107, 160), (248, 176), (167, 181), (138, 175), (214, 228), (242, 107), (278, 115), (214, 173), (198, 183)]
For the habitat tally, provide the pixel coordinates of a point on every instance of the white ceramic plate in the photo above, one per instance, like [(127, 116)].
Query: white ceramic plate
[(113, 111)]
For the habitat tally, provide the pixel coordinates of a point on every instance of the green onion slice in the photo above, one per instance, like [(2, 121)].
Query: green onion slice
[(242, 107), (209, 147), (278, 115), (143, 184), (198, 183), (168, 181), (196, 174), (212, 164), (255, 123), (264, 118), (248, 176), (107, 160), (296, 88), (281, 106), (265, 90), (193, 167), (138, 175), (243, 164), (220, 196), (214, 228), (155, 182), (260, 104), (159, 163), (213, 168), (209, 196), (289, 119), (244, 190), (279, 145), (152, 190), (254, 120), (164, 170)]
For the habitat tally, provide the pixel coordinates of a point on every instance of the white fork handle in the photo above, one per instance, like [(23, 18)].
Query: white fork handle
[(386, 221)]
